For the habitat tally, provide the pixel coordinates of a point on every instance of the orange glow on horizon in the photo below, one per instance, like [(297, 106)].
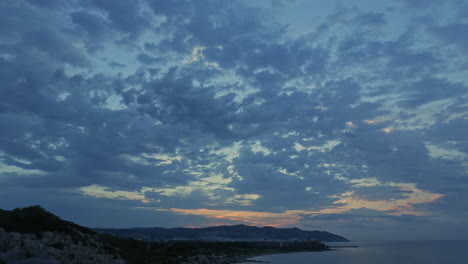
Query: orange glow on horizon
[(217, 224), (191, 226), (249, 217), (349, 201)]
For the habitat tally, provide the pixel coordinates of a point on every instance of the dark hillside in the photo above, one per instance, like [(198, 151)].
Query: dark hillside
[(35, 219)]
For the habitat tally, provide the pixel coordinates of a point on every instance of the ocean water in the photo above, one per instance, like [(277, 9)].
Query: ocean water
[(380, 252)]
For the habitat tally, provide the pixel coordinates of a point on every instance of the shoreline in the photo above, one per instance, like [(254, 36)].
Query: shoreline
[(247, 257)]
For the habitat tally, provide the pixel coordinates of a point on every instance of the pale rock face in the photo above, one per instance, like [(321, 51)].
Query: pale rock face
[(52, 248)]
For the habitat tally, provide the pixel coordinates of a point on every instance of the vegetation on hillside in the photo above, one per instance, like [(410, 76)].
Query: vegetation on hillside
[(35, 219), (144, 252)]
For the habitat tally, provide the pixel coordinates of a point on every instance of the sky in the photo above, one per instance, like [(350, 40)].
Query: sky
[(344, 116)]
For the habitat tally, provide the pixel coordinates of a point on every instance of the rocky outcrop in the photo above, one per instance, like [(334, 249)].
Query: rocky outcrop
[(53, 248)]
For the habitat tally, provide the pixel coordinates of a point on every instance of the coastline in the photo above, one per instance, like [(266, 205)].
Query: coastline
[(247, 258)]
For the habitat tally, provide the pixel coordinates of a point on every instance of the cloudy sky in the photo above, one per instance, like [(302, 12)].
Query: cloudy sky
[(346, 116)]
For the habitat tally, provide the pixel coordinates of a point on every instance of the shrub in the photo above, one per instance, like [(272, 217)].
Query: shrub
[(57, 245)]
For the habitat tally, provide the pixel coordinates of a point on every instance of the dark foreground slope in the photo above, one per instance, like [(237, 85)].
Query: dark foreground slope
[(33, 235), (233, 233)]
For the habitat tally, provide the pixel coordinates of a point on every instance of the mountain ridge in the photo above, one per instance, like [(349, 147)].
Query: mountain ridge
[(239, 232)]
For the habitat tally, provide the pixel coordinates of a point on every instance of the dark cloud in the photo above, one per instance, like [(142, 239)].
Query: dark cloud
[(274, 175), (429, 90), (421, 4), (353, 215), (95, 26), (52, 4), (371, 19), (379, 193), (173, 99), (453, 34), (125, 16), (147, 59)]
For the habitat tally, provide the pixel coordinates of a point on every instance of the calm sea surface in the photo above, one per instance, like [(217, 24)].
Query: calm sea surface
[(381, 252)]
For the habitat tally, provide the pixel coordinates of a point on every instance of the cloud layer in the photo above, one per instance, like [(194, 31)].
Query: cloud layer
[(172, 113)]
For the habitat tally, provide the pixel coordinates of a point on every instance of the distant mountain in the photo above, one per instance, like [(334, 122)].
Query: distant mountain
[(224, 233)]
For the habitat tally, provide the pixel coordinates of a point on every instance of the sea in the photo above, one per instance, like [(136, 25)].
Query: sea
[(379, 252)]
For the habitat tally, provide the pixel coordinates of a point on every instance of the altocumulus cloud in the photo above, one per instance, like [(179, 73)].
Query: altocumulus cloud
[(171, 113)]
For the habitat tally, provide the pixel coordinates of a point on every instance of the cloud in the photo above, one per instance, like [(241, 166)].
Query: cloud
[(214, 110), (420, 4), (125, 15), (52, 4), (96, 27), (429, 90)]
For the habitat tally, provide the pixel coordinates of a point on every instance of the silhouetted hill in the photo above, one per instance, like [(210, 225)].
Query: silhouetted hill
[(35, 219), (236, 233)]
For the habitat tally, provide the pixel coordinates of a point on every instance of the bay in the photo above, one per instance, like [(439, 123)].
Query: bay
[(381, 252)]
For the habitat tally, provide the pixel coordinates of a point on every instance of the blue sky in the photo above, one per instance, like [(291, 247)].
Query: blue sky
[(346, 116)]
